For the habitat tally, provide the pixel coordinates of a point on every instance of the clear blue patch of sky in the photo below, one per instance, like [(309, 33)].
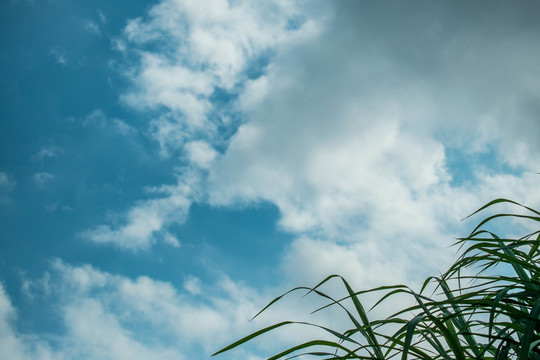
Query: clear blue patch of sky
[(257, 67), (237, 239), (295, 22), (463, 166)]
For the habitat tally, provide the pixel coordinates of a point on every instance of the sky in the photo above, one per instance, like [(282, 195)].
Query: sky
[(169, 167)]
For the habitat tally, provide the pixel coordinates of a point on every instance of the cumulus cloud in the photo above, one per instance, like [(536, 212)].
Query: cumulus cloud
[(349, 134), (200, 153), (351, 138), (358, 140), (99, 334), (104, 315), (203, 52), (188, 51), (343, 115), (91, 332), (18, 346), (10, 344)]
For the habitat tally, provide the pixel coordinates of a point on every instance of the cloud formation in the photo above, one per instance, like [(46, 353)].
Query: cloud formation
[(146, 221), (114, 317), (112, 125), (372, 127), (350, 134), (7, 185), (188, 52), (42, 178), (185, 56)]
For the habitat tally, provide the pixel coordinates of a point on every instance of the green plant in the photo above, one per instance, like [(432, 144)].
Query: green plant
[(492, 314)]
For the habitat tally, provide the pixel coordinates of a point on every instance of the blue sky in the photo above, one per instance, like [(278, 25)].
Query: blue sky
[(168, 167)]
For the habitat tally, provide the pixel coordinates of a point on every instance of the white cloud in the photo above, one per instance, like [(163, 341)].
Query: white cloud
[(200, 153), (92, 27), (17, 346), (174, 86), (353, 146), (346, 133), (146, 219), (92, 329), (199, 48), (309, 259), (8, 340), (59, 55), (193, 285), (33, 287), (102, 17), (123, 128), (103, 315), (6, 181), (55, 206), (42, 178), (110, 316), (7, 185), (98, 334), (170, 239), (112, 125), (204, 50), (47, 152)]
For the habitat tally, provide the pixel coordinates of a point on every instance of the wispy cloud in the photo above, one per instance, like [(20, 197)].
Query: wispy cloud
[(170, 239), (193, 285), (47, 152), (95, 26), (92, 27), (146, 222), (59, 56), (101, 16), (99, 119), (55, 206), (7, 185), (42, 178), (7, 182)]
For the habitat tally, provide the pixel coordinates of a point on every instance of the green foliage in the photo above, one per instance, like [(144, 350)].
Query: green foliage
[(493, 314)]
